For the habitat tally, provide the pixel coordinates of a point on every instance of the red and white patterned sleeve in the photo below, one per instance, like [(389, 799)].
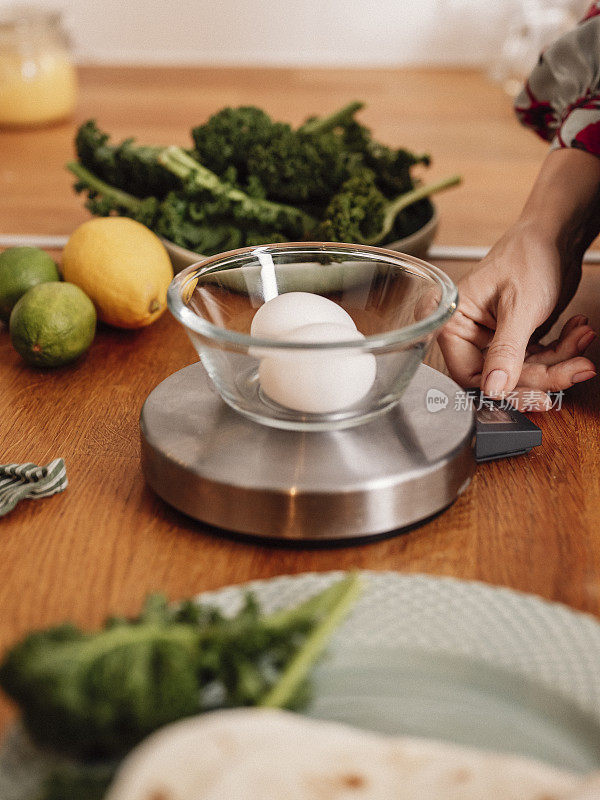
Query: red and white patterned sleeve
[(561, 98)]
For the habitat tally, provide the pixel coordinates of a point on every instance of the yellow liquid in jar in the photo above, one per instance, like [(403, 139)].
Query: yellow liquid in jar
[(37, 90)]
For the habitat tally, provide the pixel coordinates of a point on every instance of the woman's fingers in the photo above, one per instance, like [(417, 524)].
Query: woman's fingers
[(556, 377), (575, 337), (573, 322), (502, 364), (506, 353), (559, 365), (463, 359), (466, 328), (462, 342)]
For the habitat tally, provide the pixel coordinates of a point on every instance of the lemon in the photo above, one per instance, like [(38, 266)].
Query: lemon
[(122, 266), (52, 324), (20, 269)]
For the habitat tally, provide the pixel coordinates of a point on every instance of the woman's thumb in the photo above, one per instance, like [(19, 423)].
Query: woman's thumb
[(506, 353)]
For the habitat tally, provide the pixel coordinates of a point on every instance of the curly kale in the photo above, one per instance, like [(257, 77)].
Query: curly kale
[(361, 213), (390, 167), (129, 166), (96, 695), (291, 166), (297, 169), (104, 199), (251, 180), (203, 226), (225, 140), (251, 211), (205, 215), (355, 212), (305, 165)]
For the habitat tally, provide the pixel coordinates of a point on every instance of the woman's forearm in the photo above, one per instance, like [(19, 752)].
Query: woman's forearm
[(564, 203)]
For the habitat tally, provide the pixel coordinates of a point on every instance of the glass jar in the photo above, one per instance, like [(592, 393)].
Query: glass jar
[(38, 80)]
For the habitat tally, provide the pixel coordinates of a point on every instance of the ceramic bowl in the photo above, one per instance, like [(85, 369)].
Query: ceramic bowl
[(417, 244)]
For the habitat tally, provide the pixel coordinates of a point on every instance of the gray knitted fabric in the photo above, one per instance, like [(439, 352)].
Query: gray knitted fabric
[(20, 481)]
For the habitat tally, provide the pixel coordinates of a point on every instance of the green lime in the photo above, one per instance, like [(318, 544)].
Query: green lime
[(20, 269), (52, 324)]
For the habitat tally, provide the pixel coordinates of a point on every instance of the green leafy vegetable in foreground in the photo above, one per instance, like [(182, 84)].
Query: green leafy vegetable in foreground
[(77, 783), (250, 180), (96, 695)]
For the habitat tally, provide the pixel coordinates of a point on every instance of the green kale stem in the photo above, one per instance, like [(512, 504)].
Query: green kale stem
[(197, 176), (94, 183), (315, 605), (180, 163), (405, 200), (337, 600), (329, 123)]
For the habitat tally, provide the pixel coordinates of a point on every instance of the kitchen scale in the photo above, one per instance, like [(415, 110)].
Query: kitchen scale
[(379, 478)]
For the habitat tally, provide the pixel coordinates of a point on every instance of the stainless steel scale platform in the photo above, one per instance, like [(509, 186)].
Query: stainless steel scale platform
[(217, 466)]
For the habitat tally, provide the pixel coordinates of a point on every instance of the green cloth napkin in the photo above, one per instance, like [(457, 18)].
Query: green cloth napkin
[(18, 481)]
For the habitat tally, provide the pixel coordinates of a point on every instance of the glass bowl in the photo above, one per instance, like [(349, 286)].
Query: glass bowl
[(322, 377)]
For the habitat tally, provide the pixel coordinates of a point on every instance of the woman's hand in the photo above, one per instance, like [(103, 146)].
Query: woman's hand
[(515, 295), (516, 291)]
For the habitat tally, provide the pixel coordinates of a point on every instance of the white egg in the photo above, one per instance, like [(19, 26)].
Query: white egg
[(318, 382), (287, 311)]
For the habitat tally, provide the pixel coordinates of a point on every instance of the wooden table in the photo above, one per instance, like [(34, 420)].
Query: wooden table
[(530, 523)]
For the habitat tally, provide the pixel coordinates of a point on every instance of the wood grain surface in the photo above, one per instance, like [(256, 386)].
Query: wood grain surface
[(530, 523)]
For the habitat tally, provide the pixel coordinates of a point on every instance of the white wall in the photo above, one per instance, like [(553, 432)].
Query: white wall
[(327, 32)]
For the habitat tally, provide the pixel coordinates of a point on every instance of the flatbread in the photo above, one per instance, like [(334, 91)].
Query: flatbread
[(261, 754)]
